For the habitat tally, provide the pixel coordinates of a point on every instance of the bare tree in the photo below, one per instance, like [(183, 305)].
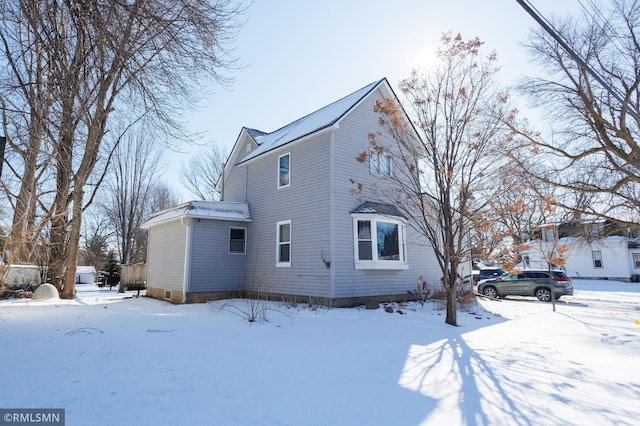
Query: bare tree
[(161, 197), (440, 179), (594, 149), (510, 215), (74, 66), (202, 172), (129, 189), (96, 236)]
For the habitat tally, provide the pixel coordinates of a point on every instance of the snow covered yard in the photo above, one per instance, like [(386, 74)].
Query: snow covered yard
[(109, 360)]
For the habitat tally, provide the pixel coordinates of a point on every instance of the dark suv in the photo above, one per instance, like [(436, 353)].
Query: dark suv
[(486, 273), (530, 282)]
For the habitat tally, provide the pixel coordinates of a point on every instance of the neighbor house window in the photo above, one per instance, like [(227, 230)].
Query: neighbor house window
[(379, 243), (597, 258), (380, 162), (636, 260), (237, 240), (283, 254), (284, 170)]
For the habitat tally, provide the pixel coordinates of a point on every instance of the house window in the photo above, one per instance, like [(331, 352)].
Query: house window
[(597, 258), (283, 253), (365, 243), (284, 170), (237, 240), (379, 243), (380, 163), (636, 260), (527, 261)]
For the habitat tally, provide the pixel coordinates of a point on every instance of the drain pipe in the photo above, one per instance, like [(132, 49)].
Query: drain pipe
[(187, 258)]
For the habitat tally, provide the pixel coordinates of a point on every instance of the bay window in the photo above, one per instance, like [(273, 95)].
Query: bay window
[(380, 242)]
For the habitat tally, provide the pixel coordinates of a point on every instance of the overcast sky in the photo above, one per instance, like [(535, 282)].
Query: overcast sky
[(299, 56)]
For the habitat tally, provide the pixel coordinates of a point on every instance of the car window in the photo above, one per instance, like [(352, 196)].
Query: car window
[(491, 272), (560, 275), (509, 277), (536, 274)]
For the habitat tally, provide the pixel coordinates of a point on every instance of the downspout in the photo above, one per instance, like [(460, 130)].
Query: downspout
[(246, 183), (187, 258), (332, 219), (224, 168)]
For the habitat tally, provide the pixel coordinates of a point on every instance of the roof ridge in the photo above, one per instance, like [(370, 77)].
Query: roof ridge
[(373, 85), (288, 131)]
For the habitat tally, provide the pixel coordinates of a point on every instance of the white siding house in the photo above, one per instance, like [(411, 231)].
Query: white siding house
[(614, 257), (85, 274)]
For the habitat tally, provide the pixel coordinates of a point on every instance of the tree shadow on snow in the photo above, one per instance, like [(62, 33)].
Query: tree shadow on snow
[(455, 376), (510, 385)]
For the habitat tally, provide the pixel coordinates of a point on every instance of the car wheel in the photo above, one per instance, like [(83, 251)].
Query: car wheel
[(543, 294), (490, 292)]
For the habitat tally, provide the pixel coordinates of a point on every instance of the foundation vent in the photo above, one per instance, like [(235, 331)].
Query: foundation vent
[(167, 294)]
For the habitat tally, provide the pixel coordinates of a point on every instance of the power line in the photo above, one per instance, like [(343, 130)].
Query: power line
[(537, 16), (608, 31)]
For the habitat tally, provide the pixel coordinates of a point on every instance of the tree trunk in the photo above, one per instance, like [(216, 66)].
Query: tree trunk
[(60, 217), (452, 305), (69, 281), (24, 210)]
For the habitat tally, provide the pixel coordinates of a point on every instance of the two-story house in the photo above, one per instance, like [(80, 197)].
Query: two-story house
[(591, 249), (290, 222)]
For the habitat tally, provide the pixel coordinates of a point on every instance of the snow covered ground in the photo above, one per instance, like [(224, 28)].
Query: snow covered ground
[(109, 360)]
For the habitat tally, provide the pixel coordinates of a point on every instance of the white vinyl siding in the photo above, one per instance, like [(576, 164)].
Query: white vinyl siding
[(166, 254)]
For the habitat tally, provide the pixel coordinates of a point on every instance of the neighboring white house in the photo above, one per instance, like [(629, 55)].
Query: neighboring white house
[(615, 257), (85, 275)]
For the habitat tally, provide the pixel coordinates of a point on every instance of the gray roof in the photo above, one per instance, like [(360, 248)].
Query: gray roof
[(216, 210), (255, 133), (316, 121), (378, 208)]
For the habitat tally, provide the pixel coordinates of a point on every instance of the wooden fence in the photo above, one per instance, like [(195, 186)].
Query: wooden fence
[(133, 276)]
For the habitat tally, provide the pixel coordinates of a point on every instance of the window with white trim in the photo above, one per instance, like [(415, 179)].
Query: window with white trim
[(237, 240), (636, 260), (380, 242), (283, 245), (284, 170), (379, 162), (597, 259)]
